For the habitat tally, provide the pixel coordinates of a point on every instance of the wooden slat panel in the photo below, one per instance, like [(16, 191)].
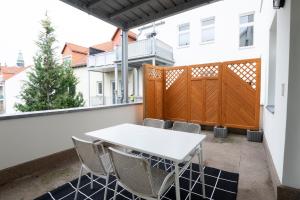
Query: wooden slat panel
[(175, 94), (240, 94), (196, 101), (211, 101), (225, 94)]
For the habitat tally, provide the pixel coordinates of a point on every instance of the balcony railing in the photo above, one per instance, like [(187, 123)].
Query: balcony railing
[(139, 49), (102, 59)]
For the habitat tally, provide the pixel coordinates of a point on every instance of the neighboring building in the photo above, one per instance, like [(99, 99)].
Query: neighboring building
[(225, 30), (8, 86), (98, 66)]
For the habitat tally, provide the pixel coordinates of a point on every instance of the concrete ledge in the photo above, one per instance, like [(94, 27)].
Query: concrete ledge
[(62, 111), (40, 164), (287, 193), (274, 176)]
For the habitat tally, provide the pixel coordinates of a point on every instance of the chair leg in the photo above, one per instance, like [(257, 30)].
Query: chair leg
[(92, 182), (116, 190), (190, 183), (106, 186), (201, 170), (132, 196), (78, 183)]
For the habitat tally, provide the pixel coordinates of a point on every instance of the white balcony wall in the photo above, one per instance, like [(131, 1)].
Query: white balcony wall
[(43, 133)]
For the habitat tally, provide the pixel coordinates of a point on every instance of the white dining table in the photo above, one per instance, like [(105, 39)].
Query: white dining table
[(167, 144)]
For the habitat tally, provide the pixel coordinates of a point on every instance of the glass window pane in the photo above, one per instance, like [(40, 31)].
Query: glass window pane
[(184, 27), (207, 22), (246, 36), (99, 88), (208, 34), (184, 39), (246, 19)]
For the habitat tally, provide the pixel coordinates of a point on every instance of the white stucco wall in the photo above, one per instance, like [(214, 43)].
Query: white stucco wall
[(83, 84), (291, 167), (226, 44), (29, 138), (275, 124), (13, 87)]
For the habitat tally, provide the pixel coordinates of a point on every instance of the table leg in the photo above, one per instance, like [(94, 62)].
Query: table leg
[(200, 157), (177, 187)]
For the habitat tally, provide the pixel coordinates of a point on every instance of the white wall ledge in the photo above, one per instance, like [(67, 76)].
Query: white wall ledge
[(62, 111)]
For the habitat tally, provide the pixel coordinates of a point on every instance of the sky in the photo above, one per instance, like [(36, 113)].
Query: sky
[(20, 27)]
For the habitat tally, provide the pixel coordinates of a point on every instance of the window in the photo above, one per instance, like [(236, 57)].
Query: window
[(246, 30), (99, 88), (67, 59), (184, 35), (208, 30), (272, 66)]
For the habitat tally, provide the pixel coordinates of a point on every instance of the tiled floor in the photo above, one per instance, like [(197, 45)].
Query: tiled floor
[(233, 154)]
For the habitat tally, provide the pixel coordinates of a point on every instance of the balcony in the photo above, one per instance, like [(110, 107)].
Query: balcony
[(142, 50), (50, 161)]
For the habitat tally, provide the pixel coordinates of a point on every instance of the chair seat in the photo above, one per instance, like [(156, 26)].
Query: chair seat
[(158, 177)]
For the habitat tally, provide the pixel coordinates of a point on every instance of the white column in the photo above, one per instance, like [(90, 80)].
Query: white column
[(89, 88)]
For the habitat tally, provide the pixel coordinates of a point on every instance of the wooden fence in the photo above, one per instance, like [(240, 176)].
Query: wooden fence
[(226, 94)]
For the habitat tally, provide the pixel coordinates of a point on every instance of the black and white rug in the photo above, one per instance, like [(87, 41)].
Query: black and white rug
[(219, 185)]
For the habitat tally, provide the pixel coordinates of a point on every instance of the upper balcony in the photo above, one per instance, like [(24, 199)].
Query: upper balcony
[(142, 50)]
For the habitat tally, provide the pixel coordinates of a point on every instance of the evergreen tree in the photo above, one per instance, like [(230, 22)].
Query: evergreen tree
[(50, 85)]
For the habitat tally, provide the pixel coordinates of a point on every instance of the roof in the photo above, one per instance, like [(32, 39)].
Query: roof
[(132, 13), (106, 46), (9, 72), (131, 34), (76, 48)]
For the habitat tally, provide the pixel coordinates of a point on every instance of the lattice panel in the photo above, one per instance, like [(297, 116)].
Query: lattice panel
[(172, 76), (246, 71), (205, 71), (155, 74)]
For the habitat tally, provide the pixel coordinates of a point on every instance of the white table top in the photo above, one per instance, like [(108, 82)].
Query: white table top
[(168, 144)]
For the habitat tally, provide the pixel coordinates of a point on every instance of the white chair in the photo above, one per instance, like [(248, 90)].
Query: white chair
[(156, 123), (186, 127), (135, 174), (94, 159)]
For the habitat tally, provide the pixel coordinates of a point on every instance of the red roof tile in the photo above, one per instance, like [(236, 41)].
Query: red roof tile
[(8, 72)]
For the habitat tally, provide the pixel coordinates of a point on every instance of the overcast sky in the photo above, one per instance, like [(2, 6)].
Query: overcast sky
[(20, 26)]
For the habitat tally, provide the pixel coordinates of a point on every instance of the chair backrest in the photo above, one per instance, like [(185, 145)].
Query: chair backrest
[(90, 155), (156, 123), (193, 128), (186, 127), (132, 171), (180, 126)]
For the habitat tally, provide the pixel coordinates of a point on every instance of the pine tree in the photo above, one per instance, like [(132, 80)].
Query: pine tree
[(50, 85)]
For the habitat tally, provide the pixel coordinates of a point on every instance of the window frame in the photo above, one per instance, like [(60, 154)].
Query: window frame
[(205, 27), (67, 57), (99, 94), (248, 24), (184, 31)]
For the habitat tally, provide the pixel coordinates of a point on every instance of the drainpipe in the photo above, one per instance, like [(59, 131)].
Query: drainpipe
[(125, 66)]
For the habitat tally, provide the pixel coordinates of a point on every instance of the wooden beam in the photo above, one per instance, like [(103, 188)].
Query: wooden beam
[(128, 8), (93, 3)]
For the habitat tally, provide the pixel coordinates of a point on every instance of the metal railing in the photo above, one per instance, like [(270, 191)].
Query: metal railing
[(138, 49), (102, 59)]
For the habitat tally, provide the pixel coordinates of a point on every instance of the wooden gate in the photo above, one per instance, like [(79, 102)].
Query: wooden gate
[(226, 94), (176, 93), (153, 91), (241, 94), (205, 93)]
